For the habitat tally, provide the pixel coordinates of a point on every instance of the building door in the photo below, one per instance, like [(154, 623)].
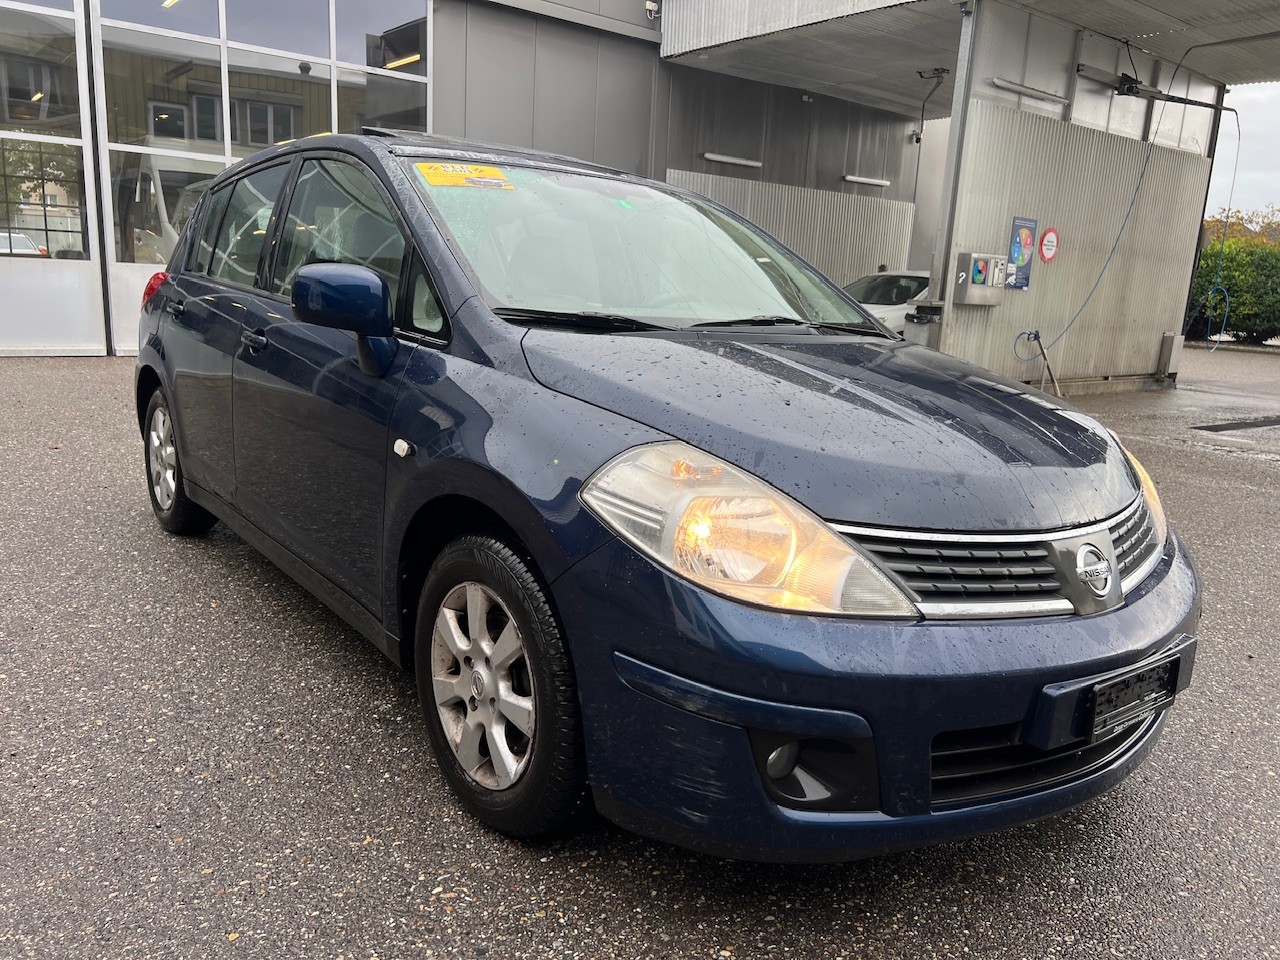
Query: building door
[(97, 188), (50, 261)]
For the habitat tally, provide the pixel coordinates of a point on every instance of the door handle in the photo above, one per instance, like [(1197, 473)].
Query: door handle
[(176, 307), (254, 339)]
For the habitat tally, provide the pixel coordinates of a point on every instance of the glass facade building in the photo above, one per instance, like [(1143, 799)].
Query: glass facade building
[(115, 114)]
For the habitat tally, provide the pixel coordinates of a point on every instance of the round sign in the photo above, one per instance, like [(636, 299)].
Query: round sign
[(1049, 244)]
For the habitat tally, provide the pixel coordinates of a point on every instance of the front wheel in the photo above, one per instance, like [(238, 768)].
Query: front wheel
[(497, 690), (175, 511)]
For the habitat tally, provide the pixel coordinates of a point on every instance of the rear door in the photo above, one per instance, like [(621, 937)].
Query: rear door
[(204, 323), (311, 436)]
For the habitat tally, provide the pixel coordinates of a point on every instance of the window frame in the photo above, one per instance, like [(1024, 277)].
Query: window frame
[(242, 127), (417, 265), (199, 218), (151, 119), (400, 309), (50, 79), (30, 198), (268, 244), (216, 100)]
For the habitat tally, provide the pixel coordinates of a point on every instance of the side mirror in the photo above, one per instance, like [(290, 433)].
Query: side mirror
[(344, 296)]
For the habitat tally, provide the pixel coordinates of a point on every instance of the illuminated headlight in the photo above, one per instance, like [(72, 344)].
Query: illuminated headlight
[(732, 533), (1158, 520)]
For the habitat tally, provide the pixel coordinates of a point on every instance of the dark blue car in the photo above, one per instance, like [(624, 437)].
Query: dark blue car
[(660, 518)]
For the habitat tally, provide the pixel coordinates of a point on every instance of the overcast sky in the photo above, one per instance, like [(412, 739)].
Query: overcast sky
[(1258, 182)]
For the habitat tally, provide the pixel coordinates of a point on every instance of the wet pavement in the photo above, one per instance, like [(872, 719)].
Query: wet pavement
[(197, 759)]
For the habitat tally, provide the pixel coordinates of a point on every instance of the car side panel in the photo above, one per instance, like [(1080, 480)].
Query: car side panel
[(507, 443), (311, 444), (199, 345)]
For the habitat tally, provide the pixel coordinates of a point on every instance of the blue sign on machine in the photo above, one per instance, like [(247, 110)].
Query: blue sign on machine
[(1022, 247)]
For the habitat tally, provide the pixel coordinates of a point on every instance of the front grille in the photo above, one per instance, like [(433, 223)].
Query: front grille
[(988, 764), (1008, 575), (1134, 538), (957, 571)]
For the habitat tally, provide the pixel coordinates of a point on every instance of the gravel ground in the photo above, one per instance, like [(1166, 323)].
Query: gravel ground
[(198, 760)]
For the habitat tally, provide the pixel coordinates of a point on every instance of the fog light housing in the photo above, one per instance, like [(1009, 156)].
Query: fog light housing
[(782, 761), (817, 773)]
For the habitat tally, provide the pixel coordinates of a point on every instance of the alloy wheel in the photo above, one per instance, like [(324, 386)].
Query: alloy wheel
[(482, 687), (162, 458)]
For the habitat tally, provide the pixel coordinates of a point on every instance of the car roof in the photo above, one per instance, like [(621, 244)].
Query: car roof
[(471, 149), (383, 140)]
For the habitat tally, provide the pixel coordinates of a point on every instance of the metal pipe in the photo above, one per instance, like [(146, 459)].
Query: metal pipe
[(1057, 390), (939, 75), (941, 269)]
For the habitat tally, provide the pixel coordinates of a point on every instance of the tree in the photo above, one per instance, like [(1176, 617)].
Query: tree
[(1247, 268), (1263, 224)]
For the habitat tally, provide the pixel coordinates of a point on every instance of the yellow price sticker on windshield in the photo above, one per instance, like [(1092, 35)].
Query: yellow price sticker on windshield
[(464, 175)]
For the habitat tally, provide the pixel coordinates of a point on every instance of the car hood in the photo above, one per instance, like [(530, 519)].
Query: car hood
[(859, 430)]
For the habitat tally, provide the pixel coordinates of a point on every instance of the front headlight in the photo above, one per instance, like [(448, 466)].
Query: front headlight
[(1154, 506), (732, 533)]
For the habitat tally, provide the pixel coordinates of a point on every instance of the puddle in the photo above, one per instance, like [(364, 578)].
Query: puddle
[(1253, 424)]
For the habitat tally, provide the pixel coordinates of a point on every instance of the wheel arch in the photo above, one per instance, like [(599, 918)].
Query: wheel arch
[(146, 382), (471, 499)]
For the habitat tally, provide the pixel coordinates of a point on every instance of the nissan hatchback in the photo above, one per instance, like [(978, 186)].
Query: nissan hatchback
[(662, 521)]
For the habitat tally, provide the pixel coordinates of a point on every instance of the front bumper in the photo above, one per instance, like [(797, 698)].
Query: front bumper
[(675, 683)]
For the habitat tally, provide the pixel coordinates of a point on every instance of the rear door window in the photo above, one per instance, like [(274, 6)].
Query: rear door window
[(214, 210), (242, 235)]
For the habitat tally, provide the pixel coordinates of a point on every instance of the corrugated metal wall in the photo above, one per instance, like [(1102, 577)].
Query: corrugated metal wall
[(1020, 46), (843, 235), (693, 24), (1080, 181), (801, 139), (509, 76)]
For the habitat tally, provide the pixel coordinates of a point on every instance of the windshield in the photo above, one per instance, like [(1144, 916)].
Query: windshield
[(886, 289), (545, 240)]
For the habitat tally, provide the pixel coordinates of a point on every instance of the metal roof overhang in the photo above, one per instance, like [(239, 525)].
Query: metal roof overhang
[(869, 51), (1169, 28), (869, 57)]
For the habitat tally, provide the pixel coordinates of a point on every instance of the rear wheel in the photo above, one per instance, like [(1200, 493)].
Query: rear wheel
[(497, 690), (175, 511)]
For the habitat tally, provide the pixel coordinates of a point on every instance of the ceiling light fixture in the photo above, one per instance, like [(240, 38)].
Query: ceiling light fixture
[(402, 62), (168, 3)]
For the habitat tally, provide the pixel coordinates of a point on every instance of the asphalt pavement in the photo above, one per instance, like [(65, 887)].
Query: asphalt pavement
[(198, 760)]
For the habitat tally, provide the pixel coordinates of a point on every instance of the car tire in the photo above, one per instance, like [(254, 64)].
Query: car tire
[(510, 742), (174, 510)]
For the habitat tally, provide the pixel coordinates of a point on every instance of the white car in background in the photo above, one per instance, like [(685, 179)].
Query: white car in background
[(19, 245), (889, 297)]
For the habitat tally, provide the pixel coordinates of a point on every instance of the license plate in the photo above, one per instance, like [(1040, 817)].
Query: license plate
[(1138, 694)]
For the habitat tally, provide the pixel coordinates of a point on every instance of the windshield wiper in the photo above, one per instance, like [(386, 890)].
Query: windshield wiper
[(764, 320), (858, 328), (584, 319), (771, 321)]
